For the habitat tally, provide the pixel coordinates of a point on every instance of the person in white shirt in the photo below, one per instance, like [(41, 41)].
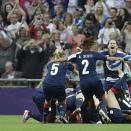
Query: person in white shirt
[(115, 3), (15, 25), (104, 33), (72, 6)]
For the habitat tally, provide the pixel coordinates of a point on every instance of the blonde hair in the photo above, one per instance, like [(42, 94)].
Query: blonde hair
[(59, 53)]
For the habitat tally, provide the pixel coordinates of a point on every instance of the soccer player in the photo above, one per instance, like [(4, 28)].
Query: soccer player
[(115, 81), (54, 82), (114, 69), (86, 62), (38, 99), (74, 101)]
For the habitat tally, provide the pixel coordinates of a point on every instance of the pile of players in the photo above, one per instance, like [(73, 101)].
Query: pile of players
[(63, 100)]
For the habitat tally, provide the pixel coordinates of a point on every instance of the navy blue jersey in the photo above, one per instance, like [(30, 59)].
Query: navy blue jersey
[(111, 67), (78, 90), (86, 63), (56, 73)]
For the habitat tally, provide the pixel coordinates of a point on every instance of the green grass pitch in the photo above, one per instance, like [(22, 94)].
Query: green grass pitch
[(14, 123)]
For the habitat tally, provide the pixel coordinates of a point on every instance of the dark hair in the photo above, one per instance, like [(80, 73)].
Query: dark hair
[(111, 40), (113, 8), (8, 3), (91, 17), (88, 42), (127, 14)]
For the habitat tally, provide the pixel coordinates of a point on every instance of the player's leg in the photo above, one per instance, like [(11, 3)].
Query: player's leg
[(101, 95), (38, 98), (61, 96)]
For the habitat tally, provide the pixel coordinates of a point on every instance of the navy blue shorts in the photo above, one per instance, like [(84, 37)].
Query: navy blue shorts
[(115, 115), (93, 87), (70, 101), (55, 92)]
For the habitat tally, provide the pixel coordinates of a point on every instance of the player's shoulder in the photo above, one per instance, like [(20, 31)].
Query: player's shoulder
[(74, 55), (121, 53)]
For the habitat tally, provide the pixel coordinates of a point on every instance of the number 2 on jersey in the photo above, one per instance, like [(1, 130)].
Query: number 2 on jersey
[(54, 69), (85, 63)]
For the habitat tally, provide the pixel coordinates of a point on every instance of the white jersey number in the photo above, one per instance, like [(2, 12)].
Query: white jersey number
[(85, 63), (54, 69)]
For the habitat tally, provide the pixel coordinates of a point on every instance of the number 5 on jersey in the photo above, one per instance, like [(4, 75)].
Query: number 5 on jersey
[(54, 69)]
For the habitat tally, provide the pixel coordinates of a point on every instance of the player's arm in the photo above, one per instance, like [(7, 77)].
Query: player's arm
[(100, 56), (127, 57), (114, 58), (73, 57)]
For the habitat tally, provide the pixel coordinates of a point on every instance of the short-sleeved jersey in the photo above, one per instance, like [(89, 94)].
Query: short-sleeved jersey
[(56, 73), (111, 67), (86, 63)]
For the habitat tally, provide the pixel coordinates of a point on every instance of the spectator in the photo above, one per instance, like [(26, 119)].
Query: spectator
[(6, 10), (75, 39), (92, 26), (37, 24), (30, 60), (38, 15), (61, 27), (22, 38), (53, 3), (7, 49), (123, 12), (25, 4), (68, 22), (106, 30), (115, 3), (31, 8), (78, 17), (48, 23), (10, 72), (13, 28), (99, 14), (49, 45), (72, 6), (18, 10), (59, 14), (116, 18), (57, 40), (126, 31), (128, 5), (90, 6)]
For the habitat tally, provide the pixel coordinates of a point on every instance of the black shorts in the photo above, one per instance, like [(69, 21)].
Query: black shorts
[(54, 92), (93, 88)]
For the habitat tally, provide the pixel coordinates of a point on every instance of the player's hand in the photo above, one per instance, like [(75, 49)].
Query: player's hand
[(121, 59)]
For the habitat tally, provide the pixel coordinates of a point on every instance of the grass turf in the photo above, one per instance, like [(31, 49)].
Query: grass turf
[(14, 123)]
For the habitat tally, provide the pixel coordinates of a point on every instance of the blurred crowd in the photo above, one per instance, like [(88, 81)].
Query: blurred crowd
[(31, 30)]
